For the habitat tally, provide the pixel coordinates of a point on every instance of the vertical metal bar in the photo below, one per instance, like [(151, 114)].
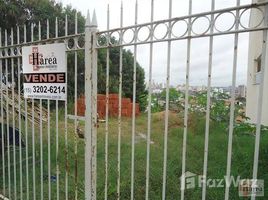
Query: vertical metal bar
[(149, 107), (7, 116), (41, 134), (57, 130), (88, 91), (19, 102), (94, 106), (66, 124), (48, 135), (107, 106), (26, 130), (134, 107), (208, 104), (13, 119), (33, 131), (167, 108), (2, 122), (57, 149), (49, 161), (260, 100), (185, 130), (120, 105), (232, 109), (75, 113)]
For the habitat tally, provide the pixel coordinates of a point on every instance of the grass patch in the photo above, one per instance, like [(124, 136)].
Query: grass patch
[(242, 159)]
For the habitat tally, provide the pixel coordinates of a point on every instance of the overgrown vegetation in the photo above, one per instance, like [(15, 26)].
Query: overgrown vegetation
[(220, 108), (242, 158)]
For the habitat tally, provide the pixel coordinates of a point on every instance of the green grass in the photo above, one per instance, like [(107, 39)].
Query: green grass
[(242, 159)]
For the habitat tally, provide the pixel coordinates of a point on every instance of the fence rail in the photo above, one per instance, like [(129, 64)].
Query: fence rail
[(49, 150)]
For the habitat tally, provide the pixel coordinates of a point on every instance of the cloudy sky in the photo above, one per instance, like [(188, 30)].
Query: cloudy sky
[(222, 49)]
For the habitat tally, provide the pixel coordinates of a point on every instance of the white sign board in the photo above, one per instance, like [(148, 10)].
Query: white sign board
[(44, 72)]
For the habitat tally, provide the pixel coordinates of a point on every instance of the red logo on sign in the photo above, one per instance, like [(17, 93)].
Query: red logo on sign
[(34, 58)]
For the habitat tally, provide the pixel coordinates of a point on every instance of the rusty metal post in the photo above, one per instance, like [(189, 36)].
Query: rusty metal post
[(91, 107)]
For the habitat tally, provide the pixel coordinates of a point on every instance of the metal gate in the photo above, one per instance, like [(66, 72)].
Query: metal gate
[(45, 157)]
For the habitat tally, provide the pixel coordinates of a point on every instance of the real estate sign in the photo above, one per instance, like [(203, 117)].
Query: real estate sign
[(44, 71)]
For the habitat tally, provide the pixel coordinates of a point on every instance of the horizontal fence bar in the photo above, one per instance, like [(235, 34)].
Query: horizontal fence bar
[(220, 11), (48, 40), (141, 43), (187, 37)]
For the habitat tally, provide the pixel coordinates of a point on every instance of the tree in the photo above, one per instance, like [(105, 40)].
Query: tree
[(127, 74), (19, 12), (174, 95)]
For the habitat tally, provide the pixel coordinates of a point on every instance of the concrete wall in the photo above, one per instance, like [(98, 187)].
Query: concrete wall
[(255, 50)]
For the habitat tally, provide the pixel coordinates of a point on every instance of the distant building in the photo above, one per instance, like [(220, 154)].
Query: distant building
[(157, 87), (254, 71), (241, 91)]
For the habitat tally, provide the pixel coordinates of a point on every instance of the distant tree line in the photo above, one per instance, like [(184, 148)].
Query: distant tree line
[(20, 12)]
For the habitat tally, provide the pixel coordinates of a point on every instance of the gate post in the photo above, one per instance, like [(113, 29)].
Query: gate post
[(91, 107)]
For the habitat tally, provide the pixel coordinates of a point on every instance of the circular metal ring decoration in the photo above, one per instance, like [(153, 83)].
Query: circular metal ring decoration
[(6, 52), (9, 52), (158, 27), (143, 33), (19, 51), (76, 46), (66, 44), (3, 53), (15, 51), (199, 19), (102, 39), (220, 17), (128, 36), (244, 12), (176, 26), (115, 38), (70, 43), (80, 42)]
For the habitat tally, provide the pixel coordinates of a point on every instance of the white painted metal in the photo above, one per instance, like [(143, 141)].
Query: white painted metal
[(107, 108), (19, 102), (208, 106), (148, 142), (187, 17), (134, 110), (120, 105), (94, 106), (88, 91), (2, 122), (13, 119), (33, 133), (57, 130), (167, 107), (26, 133), (231, 122), (66, 125), (186, 104), (7, 116), (91, 48), (41, 134), (75, 113), (48, 135)]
